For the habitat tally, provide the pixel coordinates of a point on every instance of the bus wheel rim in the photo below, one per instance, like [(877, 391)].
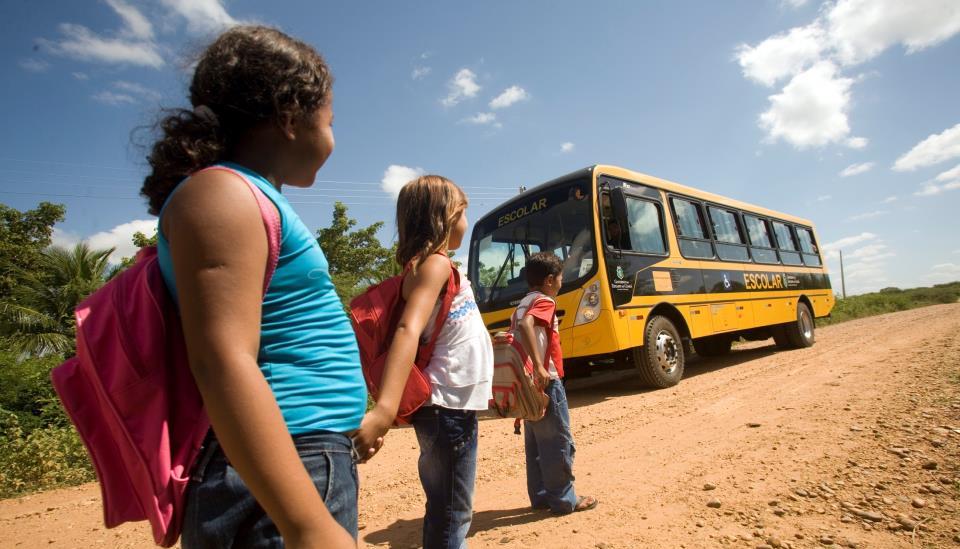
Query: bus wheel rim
[(805, 325), (667, 355)]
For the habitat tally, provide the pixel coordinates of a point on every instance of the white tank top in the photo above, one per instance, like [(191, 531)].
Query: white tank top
[(461, 368)]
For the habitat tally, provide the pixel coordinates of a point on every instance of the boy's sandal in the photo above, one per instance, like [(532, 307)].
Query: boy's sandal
[(585, 503)]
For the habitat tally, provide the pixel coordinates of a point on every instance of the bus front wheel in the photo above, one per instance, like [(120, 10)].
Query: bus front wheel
[(660, 361)]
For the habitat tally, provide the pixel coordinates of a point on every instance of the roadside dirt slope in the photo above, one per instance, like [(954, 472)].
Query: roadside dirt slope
[(854, 442)]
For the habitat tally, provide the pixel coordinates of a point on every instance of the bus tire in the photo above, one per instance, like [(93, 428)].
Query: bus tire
[(660, 361), (801, 333), (713, 345)]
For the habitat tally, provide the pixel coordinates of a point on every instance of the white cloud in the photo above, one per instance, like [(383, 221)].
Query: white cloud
[(856, 169), (34, 65), (202, 16), (137, 26), (857, 142), (396, 176), (81, 76), (483, 118), (860, 30), (81, 43), (782, 55), (794, 3), (872, 252), (950, 175), (867, 215), (934, 149), (845, 33), (811, 110), (119, 237), (943, 272), (420, 72), (567, 147), (890, 199), (932, 189), (824, 197), (462, 86), (508, 97), (137, 89), (831, 248), (115, 99)]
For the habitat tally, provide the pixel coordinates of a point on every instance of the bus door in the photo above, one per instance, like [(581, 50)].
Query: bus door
[(636, 253)]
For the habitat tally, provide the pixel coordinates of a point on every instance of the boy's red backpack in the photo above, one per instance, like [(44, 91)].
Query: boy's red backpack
[(131, 395), (375, 315), (516, 392)]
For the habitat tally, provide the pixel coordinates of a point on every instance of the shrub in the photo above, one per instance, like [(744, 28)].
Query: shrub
[(44, 458)]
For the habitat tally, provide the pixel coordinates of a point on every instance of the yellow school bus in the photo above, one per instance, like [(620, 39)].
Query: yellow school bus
[(652, 270)]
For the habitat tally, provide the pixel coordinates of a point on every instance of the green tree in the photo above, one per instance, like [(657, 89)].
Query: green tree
[(23, 237), (356, 257), (38, 318)]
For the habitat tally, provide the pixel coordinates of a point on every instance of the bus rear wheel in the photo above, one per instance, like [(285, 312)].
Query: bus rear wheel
[(660, 361), (799, 334), (713, 345)]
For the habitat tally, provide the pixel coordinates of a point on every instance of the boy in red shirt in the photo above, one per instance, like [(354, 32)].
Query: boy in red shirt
[(548, 442)]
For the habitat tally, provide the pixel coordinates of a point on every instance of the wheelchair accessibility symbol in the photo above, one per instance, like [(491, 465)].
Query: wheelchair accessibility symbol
[(726, 282)]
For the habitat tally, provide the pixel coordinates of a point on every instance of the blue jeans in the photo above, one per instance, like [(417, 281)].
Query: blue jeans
[(221, 511), (448, 470), (550, 450)]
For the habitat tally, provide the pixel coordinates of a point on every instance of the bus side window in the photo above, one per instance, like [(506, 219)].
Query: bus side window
[(645, 227), (809, 249), (728, 234), (691, 229), (761, 245), (787, 244)]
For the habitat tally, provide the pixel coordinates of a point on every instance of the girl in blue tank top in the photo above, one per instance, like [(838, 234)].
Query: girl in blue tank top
[(279, 371)]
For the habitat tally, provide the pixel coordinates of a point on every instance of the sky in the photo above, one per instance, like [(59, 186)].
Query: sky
[(844, 112)]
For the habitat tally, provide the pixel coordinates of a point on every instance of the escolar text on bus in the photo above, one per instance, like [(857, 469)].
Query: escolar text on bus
[(514, 215), (763, 281)]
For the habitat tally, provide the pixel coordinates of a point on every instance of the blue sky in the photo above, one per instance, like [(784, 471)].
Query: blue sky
[(844, 112)]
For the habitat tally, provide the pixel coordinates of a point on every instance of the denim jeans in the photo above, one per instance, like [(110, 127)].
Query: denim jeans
[(448, 470), (221, 512), (550, 451)]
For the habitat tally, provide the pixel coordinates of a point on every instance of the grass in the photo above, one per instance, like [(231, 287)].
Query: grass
[(890, 300)]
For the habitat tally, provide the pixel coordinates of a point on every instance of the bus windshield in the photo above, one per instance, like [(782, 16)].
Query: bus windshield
[(558, 219)]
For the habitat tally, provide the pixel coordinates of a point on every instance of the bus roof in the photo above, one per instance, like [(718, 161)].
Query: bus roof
[(657, 182)]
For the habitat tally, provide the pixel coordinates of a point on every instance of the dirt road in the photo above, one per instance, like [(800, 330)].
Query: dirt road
[(854, 442)]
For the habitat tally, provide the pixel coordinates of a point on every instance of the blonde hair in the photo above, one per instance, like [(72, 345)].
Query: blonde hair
[(427, 209)]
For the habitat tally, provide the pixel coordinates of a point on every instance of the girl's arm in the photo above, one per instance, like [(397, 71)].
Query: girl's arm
[(219, 250), (424, 290), (528, 341)]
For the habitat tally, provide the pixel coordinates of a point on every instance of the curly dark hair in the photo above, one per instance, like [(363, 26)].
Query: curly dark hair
[(247, 76)]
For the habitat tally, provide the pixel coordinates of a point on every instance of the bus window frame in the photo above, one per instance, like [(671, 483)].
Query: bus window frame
[(770, 235), (780, 250), (623, 193), (703, 223), (741, 232), (813, 242)]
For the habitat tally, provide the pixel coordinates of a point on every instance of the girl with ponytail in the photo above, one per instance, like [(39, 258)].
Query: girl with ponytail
[(279, 371)]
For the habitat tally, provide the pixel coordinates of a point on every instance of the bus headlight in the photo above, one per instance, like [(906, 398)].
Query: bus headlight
[(589, 308)]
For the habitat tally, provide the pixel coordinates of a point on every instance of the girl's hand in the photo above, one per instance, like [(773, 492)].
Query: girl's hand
[(368, 439)]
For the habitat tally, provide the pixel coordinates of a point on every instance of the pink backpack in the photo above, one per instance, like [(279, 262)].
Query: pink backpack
[(130, 393)]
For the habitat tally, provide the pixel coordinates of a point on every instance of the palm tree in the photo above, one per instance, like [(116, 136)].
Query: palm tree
[(38, 318)]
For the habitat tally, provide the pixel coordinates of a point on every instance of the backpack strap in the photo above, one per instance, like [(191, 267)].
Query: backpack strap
[(453, 288), (271, 222)]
